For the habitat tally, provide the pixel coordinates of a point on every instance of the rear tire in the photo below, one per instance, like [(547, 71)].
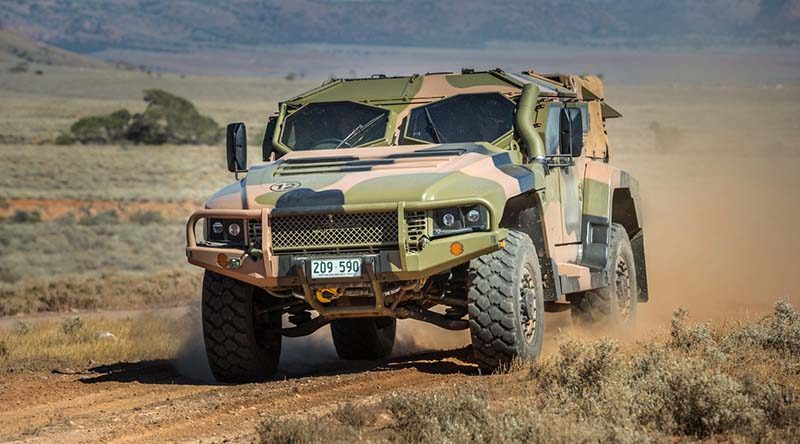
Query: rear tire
[(506, 304), (364, 338), (615, 304), (238, 345)]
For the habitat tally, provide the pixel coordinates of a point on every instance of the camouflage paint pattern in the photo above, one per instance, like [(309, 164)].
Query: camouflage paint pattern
[(577, 201)]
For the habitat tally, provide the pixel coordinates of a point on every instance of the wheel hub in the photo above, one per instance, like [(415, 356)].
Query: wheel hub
[(527, 304), (623, 288)]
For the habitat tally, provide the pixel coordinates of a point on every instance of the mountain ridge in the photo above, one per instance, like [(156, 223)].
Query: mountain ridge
[(94, 25)]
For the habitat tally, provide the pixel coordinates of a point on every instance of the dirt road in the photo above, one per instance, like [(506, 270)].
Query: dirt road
[(152, 402)]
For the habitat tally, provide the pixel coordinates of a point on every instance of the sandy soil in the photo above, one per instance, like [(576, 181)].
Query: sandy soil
[(152, 402)]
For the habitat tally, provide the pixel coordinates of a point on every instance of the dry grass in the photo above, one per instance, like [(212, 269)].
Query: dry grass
[(75, 344), (37, 108), (112, 291), (165, 173), (95, 262), (34, 251), (739, 384)]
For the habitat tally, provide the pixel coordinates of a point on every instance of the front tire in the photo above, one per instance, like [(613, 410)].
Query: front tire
[(506, 304), (615, 304), (364, 338), (240, 347)]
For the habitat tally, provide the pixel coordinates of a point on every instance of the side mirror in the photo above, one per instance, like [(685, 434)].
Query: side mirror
[(266, 145), (571, 132), (236, 138)]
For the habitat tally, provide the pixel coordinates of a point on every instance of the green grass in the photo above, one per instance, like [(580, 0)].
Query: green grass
[(737, 384)]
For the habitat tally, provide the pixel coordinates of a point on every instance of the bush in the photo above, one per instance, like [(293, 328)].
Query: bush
[(3, 350), (22, 328), (439, 417), (72, 326), (303, 431), (26, 217), (146, 217), (781, 332), (19, 68), (167, 119), (108, 217), (110, 128), (172, 119)]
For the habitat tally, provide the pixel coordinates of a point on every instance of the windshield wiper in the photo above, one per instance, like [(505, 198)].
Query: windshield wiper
[(360, 129), (436, 133)]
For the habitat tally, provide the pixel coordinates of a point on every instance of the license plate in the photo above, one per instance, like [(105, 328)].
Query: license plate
[(335, 268)]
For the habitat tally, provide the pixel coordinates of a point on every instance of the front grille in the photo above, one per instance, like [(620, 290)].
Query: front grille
[(360, 232), (254, 231), (417, 227)]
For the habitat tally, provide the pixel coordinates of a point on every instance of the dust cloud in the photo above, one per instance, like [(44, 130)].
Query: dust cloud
[(718, 169), (191, 361)]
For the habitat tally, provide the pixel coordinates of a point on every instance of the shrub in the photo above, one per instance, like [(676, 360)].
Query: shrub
[(22, 328), (146, 217), (172, 119), (110, 128), (688, 337), (19, 68), (72, 326), (356, 417), (303, 431), (167, 119), (66, 219), (781, 332), (27, 217), (439, 417), (702, 402), (108, 217), (3, 350)]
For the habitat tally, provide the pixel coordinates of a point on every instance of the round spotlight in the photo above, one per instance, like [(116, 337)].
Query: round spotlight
[(473, 215), (456, 248), (217, 227), (448, 220), (234, 229)]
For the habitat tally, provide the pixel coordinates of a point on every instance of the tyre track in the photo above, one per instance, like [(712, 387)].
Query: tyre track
[(150, 403)]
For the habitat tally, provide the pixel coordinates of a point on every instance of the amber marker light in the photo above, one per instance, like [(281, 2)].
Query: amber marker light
[(222, 260), (456, 248)]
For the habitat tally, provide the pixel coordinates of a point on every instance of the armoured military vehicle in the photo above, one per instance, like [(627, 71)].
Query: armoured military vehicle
[(471, 200)]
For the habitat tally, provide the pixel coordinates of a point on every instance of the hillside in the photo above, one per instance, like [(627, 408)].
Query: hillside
[(15, 48), (95, 25)]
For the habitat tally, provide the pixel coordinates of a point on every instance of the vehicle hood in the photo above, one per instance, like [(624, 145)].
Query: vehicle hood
[(415, 173)]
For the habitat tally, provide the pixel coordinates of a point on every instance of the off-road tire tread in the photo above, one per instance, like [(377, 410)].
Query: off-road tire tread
[(491, 308), (362, 339), (594, 307), (233, 352)]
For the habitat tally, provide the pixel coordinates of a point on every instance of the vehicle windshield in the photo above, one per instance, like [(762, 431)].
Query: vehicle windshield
[(328, 125), (463, 118)]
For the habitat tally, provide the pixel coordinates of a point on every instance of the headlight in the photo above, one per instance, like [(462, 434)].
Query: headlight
[(450, 221), (227, 231), (217, 227)]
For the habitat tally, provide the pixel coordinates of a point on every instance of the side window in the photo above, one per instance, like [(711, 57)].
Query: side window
[(552, 133), (584, 107), (266, 144), (572, 130)]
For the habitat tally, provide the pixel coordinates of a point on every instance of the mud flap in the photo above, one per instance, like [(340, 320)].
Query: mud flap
[(637, 245)]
